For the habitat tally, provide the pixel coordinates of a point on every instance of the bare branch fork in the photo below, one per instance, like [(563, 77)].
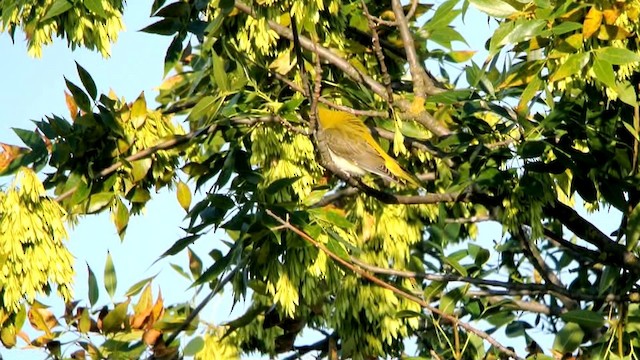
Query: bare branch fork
[(368, 276)]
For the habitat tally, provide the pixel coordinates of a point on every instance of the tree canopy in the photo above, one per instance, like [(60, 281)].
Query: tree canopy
[(545, 125)]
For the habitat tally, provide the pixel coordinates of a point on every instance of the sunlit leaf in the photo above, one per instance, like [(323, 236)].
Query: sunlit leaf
[(110, 280)]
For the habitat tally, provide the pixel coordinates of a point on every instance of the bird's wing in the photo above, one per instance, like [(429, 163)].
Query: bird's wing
[(358, 151)]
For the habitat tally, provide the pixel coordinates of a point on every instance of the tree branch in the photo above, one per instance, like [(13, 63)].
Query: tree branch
[(533, 254), (173, 142), (611, 251), (368, 276), (423, 117)]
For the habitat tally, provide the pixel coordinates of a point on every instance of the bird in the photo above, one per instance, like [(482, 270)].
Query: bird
[(353, 149)]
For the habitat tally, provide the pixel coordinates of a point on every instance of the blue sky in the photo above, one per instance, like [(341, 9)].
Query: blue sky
[(35, 87)]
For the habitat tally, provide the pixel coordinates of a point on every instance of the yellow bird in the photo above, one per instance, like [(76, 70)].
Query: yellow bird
[(353, 149)]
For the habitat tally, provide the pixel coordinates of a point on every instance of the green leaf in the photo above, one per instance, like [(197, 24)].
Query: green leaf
[(174, 51), (94, 292), (586, 318), (57, 8), (137, 287), (184, 195), (115, 319), (226, 6), (627, 93), (174, 10), (456, 265), (443, 16), (574, 65), (448, 302), (95, 6), (532, 149), (84, 325), (280, 184), (219, 73), (516, 328), (121, 218), (604, 72), (31, 139), (523, 31), (82, 100), (330, 217), (479, 254), (633, 228), (336, 248), (497, 8), (180, 245), (450, 97), (194, 346), (568, 338), (99, 201), (203, 107), (216, 269), (110, 280), (163, 27), (617, 56), (565, 27), (180, 271), (140, 168)]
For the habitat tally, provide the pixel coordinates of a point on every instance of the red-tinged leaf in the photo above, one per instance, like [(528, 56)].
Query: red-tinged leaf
[(71, 105), (79, 96)]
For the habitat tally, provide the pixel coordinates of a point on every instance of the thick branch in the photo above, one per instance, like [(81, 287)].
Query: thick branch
[(611, 251), (417, 71)]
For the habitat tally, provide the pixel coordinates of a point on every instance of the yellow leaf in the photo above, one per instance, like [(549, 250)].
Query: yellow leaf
[(139, 111), (610, 16), (42, 319), (612, 32), (170, 82), (462, 55), (591, 22), (184, 195)]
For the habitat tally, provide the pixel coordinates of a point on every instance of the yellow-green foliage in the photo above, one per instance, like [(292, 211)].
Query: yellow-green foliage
[(32, 254), (216, 348), (147, 128), (285, 155), (255, 38), (93, 24)]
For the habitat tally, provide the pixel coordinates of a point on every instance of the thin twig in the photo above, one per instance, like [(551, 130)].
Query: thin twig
[(423, 117), (533, 254), (386, 79), (219, 286), (171, 143), (368, 276)]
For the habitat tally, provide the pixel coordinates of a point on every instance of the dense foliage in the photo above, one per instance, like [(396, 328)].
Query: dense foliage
[(548, 122)]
